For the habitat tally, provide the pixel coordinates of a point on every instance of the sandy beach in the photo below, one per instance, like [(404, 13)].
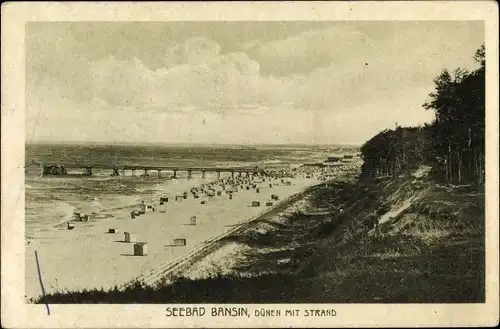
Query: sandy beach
[(89, 257)]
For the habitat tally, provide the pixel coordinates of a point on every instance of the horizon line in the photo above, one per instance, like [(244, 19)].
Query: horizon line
[(186, 143)]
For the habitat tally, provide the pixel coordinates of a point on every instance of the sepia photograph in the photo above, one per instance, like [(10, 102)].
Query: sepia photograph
[(209, 164), (250, 162)]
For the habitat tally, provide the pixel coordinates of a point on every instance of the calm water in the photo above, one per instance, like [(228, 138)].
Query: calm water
[(51, 200)]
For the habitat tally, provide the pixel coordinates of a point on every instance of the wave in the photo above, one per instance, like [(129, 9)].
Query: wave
[(43, 216), (271, 161), (97, 204), (52, 200)]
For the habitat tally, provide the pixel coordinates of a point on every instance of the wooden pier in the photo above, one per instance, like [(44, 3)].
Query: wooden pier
[(117, 170)]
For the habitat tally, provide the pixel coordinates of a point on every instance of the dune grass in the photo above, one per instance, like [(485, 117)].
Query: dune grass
[(432, 251)]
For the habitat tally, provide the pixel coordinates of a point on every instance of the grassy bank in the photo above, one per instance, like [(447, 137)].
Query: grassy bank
[(397, 239)]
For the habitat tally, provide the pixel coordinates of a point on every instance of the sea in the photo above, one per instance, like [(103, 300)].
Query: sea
[(51, 200)]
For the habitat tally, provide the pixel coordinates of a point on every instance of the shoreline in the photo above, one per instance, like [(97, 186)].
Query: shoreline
[(165, 184), (88, 245)]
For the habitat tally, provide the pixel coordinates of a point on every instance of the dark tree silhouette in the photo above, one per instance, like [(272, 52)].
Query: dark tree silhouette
[(453, 144), (393, 151), (458, 130)]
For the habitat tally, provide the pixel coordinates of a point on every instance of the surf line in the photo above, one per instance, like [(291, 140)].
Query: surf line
[(41, 282)]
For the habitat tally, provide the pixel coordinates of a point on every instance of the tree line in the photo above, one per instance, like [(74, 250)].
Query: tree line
[(453, 144)]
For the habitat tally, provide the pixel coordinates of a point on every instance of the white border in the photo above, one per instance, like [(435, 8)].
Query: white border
[(17, 314)]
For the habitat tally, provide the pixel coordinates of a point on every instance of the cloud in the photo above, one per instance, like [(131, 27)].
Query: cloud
[(203, 79), (302, 87), (306, 51), (340, 66)]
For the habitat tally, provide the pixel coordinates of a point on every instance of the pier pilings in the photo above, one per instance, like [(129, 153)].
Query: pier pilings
[(116, 170)]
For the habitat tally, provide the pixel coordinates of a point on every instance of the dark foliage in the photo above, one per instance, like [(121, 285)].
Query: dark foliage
[(393, 151), (453, 144)]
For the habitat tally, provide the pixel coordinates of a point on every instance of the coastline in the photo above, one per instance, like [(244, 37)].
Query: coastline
[(90, 246)]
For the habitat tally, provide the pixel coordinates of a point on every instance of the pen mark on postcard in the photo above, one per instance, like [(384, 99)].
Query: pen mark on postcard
[(41, 282)]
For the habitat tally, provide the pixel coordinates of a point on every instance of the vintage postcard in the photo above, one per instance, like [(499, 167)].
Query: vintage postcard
[(217, 164)]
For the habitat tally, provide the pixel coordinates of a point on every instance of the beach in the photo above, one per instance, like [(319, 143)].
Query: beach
[(88, 256)]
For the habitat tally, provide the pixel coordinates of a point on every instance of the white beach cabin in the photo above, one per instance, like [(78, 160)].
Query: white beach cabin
[(192, 220), (130, 237)]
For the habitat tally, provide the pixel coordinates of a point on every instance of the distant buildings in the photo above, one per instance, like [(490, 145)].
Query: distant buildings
[(334, 159)]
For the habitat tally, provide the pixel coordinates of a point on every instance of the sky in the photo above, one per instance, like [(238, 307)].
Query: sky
[(236, 82)]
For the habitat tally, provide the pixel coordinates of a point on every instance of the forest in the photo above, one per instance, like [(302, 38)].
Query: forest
[(453, 144)]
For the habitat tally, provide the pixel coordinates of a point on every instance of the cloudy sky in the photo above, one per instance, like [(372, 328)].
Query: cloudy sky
[(235, 82)]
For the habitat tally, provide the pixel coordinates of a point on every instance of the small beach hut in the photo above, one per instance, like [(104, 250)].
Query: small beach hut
[(180, 242), (255, 204), (163, 208), (85, 212), (269, 204), (112, 230), (130, 237), (71, 226), (141, 249), (192, 220)]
